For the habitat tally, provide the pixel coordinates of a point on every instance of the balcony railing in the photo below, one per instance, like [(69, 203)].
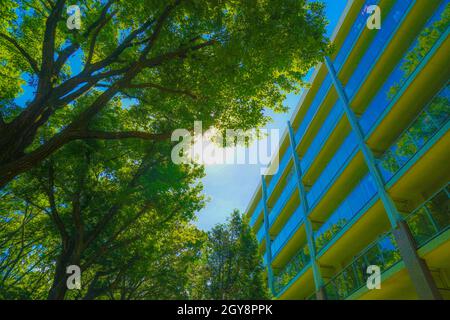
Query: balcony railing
[(289, 228), (427, 124), (431, 218), (313, 108), (349, 208), (256, 213), (325, 179), (390, 24), (261, 233), (324, 132), (434, 33), (283, 198), (281, 166), (383, 253), (355, 31), (339, 61), (291, 269)]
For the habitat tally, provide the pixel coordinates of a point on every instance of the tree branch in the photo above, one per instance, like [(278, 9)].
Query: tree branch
[(50, 190), (109, 135), (29, 160), (103, 22), (161, 88), (24, 53), (179, 53), (48, 48)]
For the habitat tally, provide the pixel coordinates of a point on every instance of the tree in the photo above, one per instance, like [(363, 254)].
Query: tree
[(231, 266), (85, 173), (220, 62), (119, 211)]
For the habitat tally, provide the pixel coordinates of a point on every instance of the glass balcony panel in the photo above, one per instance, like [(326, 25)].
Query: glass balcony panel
[(391, 22), (382, 252), (283, 198), (388, 165), (331, 291), (256, 213), (415, 137), (317, 101), (334, 165), (348, 209), (374, 256), (422, 129), (283, 276), (388, 248), (276, 177), (421, 226), (353, 35), (428, 37), (261, 233), (289, 228), (440, 108), (320, 138), (431, 218), (439, 209), (360, 269), (404, 149)]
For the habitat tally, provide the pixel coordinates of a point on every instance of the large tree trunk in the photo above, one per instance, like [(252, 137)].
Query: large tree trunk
[(70, 255), (59, 286)]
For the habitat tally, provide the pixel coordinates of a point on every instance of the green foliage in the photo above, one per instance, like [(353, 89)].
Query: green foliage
[(120, 212), (231, 266), (85, 171), (169, 62)]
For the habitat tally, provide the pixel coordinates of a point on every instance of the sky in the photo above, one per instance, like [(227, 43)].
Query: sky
[(231, 186)]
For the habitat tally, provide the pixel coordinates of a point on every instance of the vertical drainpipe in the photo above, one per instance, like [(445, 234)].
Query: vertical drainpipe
[(417, 268), (267, 235), (318, 281)]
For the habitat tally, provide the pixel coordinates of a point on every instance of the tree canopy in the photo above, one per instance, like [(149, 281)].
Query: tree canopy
[(219, 62), (119, 215), (86, 117)]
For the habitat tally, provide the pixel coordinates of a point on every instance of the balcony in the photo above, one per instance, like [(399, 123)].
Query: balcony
[(350, 39), (315, 104), (381, 40), (431, 219), (429, 122), (339, 61), (431, 37), (261, 233), (256, 213), (291, 226), (341, 157), (283, 198), (265, 259), (284, 276), (276, 177), (324, 132), (359, 197), (383, 253)]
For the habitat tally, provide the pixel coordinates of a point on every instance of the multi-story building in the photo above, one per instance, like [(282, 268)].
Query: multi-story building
[(364, 165)]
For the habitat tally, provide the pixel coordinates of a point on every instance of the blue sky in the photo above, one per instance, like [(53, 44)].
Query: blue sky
[(232, 186)]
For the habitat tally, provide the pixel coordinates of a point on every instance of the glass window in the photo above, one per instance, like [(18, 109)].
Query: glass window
[(439, 209)]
